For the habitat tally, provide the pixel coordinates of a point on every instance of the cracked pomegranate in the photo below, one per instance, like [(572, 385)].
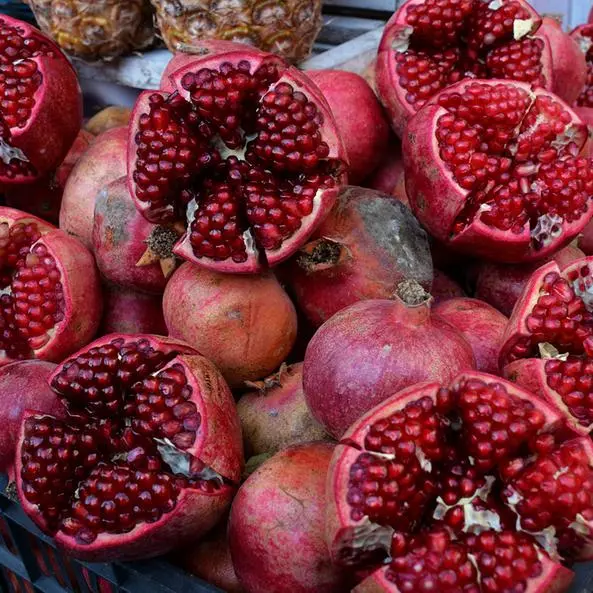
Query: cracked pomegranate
[(429, 45), (583, 36), (370, 350), (493, 169), (444, 484), (147, 457), (50, 303), (246, 149)]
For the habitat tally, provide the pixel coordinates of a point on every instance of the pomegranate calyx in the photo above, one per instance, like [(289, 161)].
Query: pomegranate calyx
[(271, 382), (412, 294)]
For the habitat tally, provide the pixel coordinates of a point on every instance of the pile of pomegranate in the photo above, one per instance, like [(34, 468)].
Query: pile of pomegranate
[(308, 332)]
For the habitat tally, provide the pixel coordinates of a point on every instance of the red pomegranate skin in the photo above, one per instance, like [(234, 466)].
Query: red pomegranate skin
[(23, 385), (444, 288), (389, 176), (246, 325), (276, 527), (481, 325), (359, 116), (370, 350)]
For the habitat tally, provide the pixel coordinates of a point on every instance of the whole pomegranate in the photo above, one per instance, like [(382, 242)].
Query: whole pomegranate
[(246, 325), (370, 350), (276, 525), (445, 482), (276, 415), (130, 251), (23, 385), (481, 325), (364, 249), (500, 285), (131, 312), (51, 302), (445, 288), (389, 177), (359, 117), (145, 460), (245, 148), (41, 108), (103, 162), (108, 118), (493, 169), (429, 45)]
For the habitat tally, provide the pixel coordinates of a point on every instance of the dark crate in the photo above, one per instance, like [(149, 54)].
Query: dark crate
[(30, 563), (16, 9)]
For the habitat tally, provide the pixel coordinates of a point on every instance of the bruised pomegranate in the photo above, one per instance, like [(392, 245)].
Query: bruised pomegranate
[(147, 457), (359, 117), (130, 251), (41, 103), (103, 162), (50, 303), (493, 169), (276, 525), (429, 45), (245, 148), (446, 483), (364, 249), (246, 325), (276, 415), (370, 350), (500, 285)]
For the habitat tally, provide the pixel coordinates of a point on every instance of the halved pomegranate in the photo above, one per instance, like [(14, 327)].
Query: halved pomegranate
[(493, 168), (548, 344), (440, 483), (583, 35), (147, 458), (40, 103), (50, 299), (245, 147)]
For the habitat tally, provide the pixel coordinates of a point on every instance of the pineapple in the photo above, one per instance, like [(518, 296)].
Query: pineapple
[(93, 29), (284, 27)]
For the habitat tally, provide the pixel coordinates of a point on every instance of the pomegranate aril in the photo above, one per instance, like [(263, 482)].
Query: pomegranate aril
[(519, 60)]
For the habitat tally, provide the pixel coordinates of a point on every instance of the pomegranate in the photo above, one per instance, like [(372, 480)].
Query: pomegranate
[(245, 325), (41, 110), (359, 117), (585, 241), (429, 45), (102, 163), (44, 196), (492, 169), (370, 350), (23, 385), (446, 484), (548, 344), (131, 312), (276, 415), (149, 453), (500, 285), (276, 525), (246, 149), (583, 36), (50, 303), (481, 325), (113, 116), (389, 177), (130, 251), (367, 245), (445, 288)]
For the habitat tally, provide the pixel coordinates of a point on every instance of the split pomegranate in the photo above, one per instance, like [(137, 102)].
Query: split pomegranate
[(473, 486), (364, 249), (548, 344), (41, 103), (276, 415), (370, 350), (246, 149), (130, 251), (103, 162), (493, 169), (481, 325), (429, 45), (246, 325), (359, 117), (50, 303), (583, 36), (147, 457), (500, 285), (276, 525)]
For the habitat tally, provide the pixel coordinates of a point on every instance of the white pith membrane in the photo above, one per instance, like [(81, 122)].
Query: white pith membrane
[(187, 471)]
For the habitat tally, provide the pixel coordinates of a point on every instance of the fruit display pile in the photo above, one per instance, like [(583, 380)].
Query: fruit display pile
[(308, 331)]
